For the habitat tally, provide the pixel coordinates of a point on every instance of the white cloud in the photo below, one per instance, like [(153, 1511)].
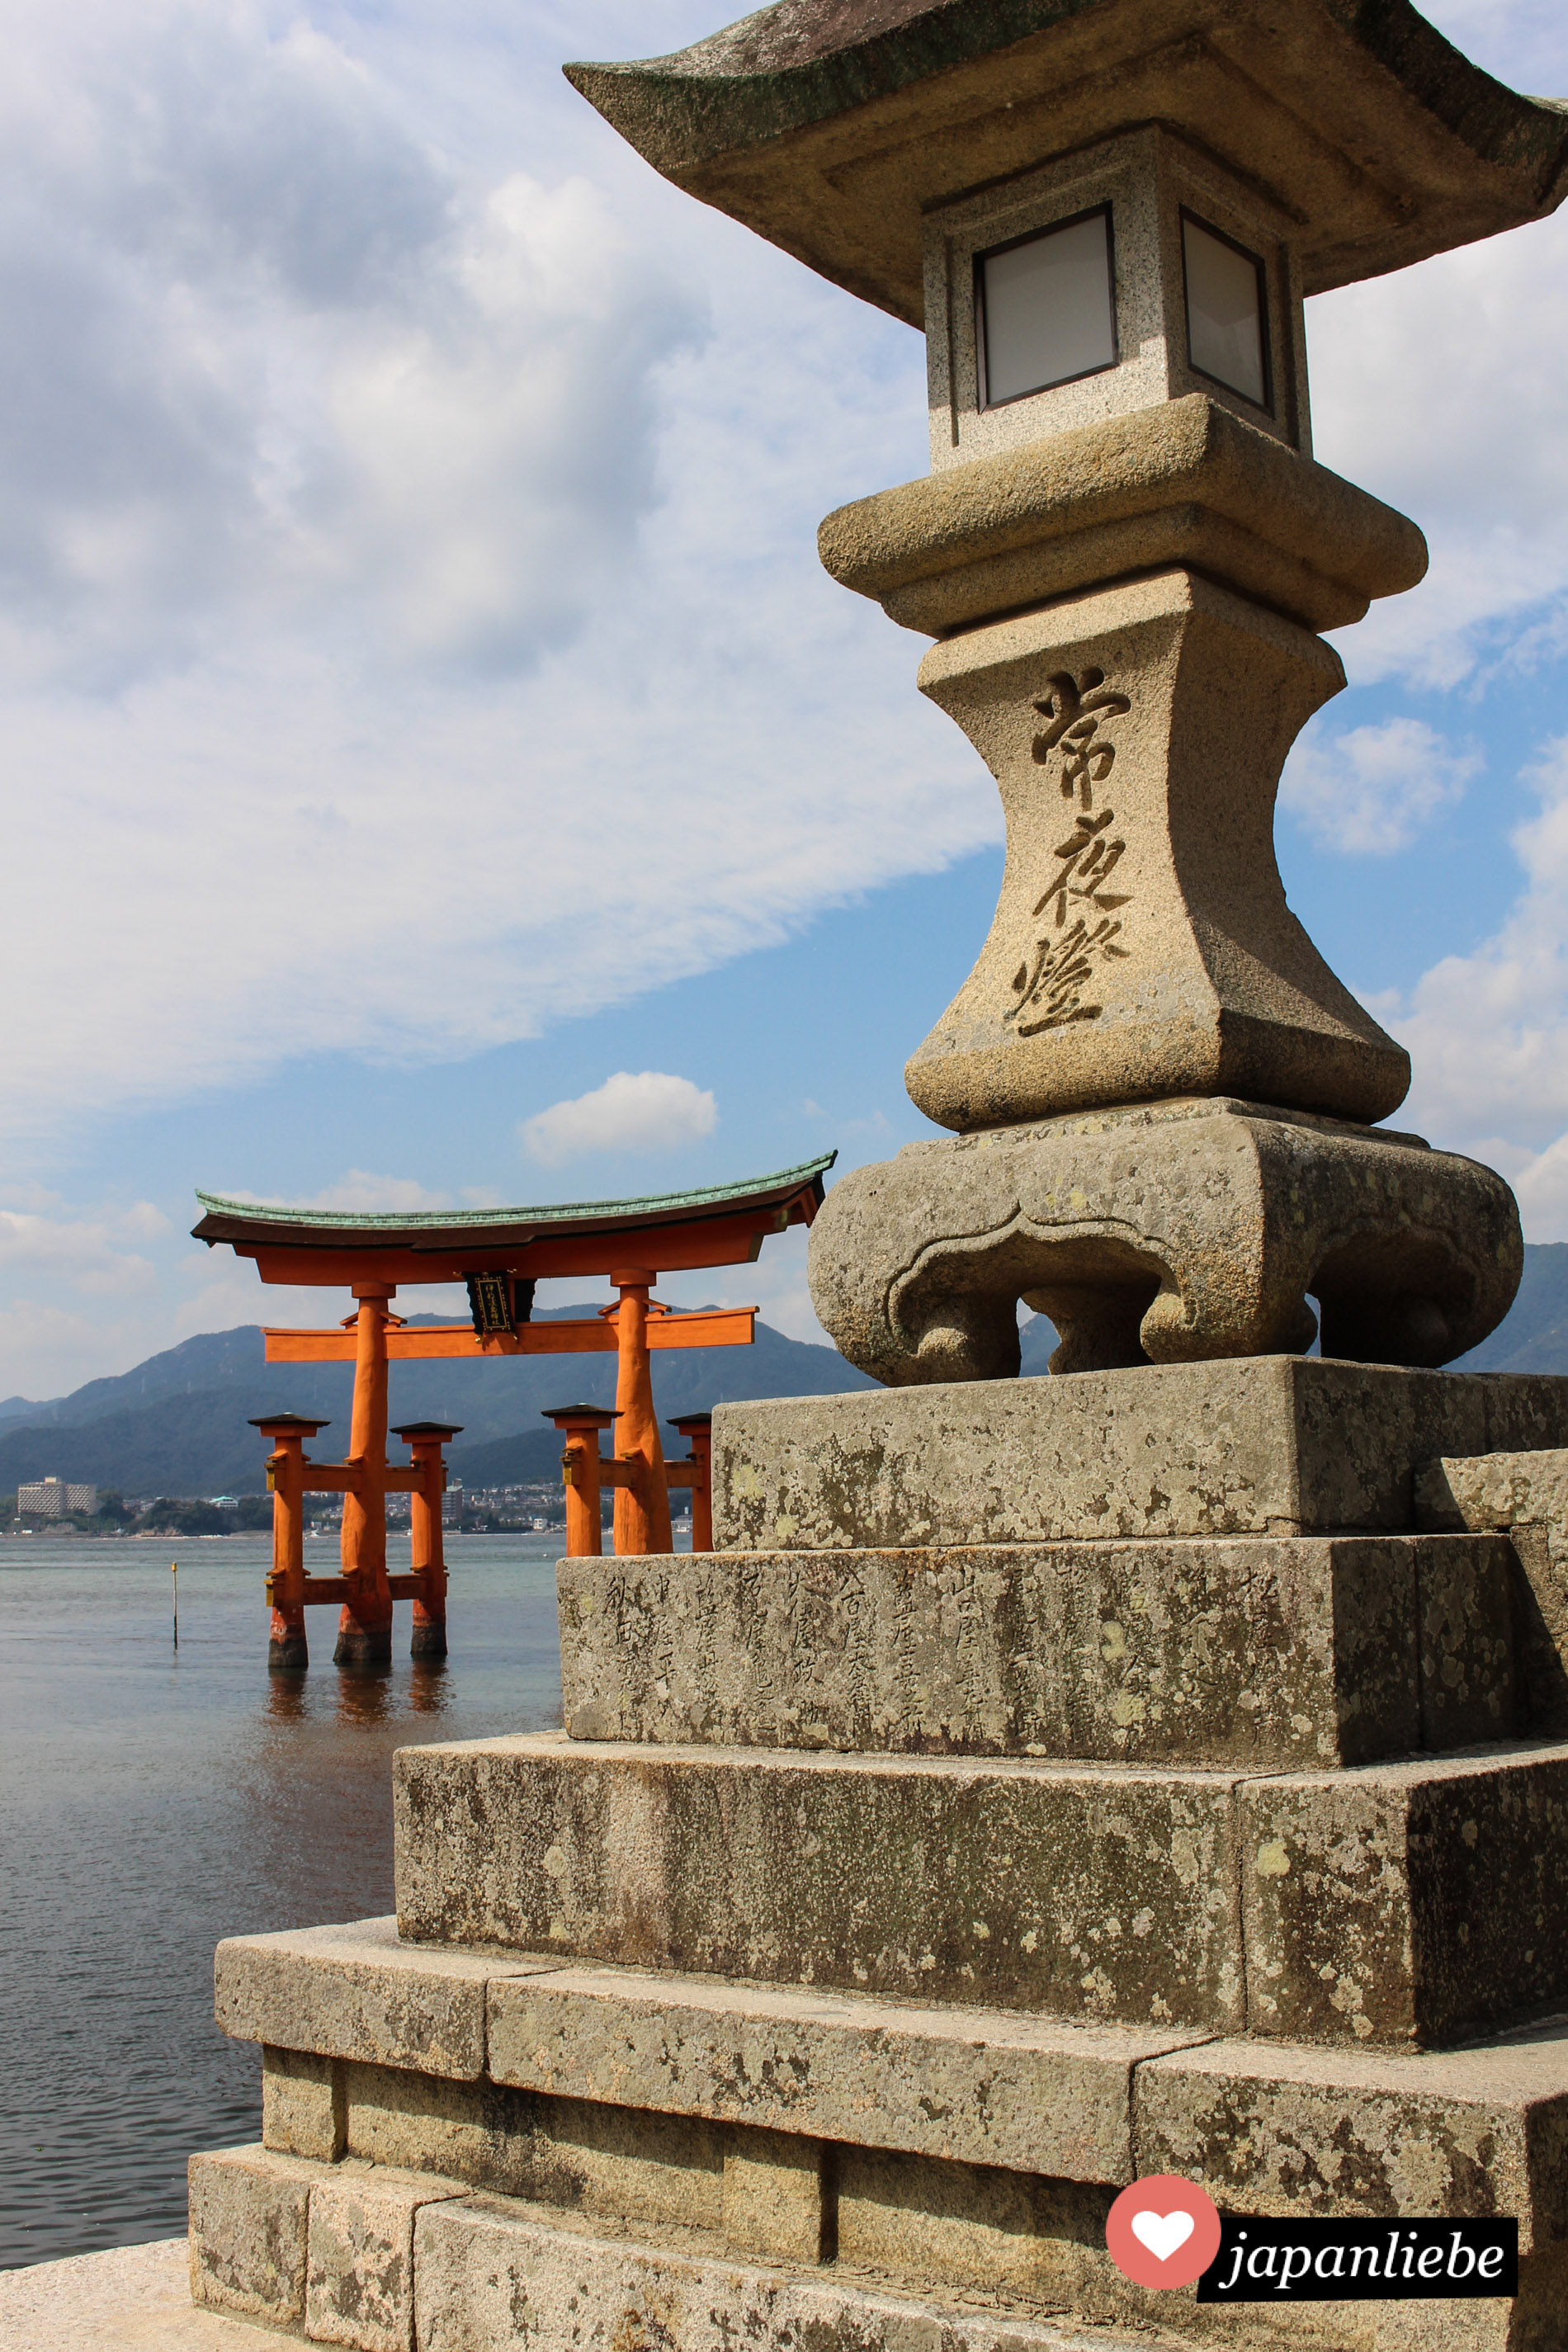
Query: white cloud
[(650, 1111), (269, 362), (1487, 1031), (1542, 1187), (412, 622), (1443, 390), (1369, 790), (87, 1253), (408, 629), (374, 1195)]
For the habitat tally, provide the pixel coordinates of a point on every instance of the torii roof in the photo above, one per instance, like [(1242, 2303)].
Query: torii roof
[(830, 126), (718, 1224)]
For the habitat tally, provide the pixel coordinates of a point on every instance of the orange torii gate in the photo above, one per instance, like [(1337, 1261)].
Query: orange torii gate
[(500, 1254)]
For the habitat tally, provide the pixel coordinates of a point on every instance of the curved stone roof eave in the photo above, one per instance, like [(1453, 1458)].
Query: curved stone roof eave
[(793, 120)]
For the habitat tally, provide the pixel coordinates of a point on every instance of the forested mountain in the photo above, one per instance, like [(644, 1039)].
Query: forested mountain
[(177, 1425)]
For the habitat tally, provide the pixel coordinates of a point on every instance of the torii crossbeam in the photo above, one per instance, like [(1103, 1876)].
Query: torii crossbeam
[(500, 1254)]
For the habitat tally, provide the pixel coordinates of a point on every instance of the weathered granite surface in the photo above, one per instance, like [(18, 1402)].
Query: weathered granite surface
[(1107, 1893), (1188, 482), (1168, 1233), (359, 2288), (489, 2273), (1280, 1651), (831, 127), (249, 2213), (988, 2087), (303, 2110), (1281, 2128), (1526, 1495), (1394, 1902), (357, 1992), (129, 2299), (1146, 723), (1290, 1445), (1408, 1902)]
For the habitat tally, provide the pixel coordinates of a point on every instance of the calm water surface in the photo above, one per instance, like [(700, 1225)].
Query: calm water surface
[(152, 1803)]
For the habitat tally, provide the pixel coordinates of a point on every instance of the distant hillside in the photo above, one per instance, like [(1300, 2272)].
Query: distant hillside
[(177, 1425), (1534, 1338)]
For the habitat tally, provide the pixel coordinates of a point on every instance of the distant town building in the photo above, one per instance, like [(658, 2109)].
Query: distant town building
[(51, 1499)]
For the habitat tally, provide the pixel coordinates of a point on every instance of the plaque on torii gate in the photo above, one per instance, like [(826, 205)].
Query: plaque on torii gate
[(499, 1255)]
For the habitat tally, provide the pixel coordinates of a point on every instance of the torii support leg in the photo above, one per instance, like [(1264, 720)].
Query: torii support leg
[(288, 1652), (642, 1511), (428, 1558), (364, 1628)]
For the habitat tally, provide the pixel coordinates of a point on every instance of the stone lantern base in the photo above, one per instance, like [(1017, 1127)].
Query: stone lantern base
[(1163, 1233), (1046, 1783)]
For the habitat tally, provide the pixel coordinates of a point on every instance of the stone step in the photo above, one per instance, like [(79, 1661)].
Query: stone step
[(1270, 1445), (1259, 1653), (1272, 2127), (975, 2086), (955, 2153), (481, 2267), (1398, 1903), (374, 2258), (1524, 1495), (357, 2255)]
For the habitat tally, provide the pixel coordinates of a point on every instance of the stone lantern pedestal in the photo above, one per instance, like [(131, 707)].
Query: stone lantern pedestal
[(1043, 1784)]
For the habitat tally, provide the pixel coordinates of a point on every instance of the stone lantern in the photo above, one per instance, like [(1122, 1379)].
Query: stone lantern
[(1043, 1787), (1106, 217)]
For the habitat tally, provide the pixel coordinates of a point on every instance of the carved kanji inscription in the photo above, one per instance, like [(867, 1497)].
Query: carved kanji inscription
[(1081, 926)]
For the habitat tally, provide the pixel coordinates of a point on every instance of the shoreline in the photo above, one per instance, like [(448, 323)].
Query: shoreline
[(124, 2299)]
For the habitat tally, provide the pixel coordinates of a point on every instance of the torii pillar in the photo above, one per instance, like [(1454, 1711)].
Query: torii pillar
[(364, 1628)]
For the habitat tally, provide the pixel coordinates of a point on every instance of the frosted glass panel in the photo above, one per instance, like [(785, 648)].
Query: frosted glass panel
[(1224, 316), (1048, 312)]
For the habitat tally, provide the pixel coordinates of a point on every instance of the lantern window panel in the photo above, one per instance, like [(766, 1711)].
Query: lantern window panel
[(1227, 319), (1046, 308)]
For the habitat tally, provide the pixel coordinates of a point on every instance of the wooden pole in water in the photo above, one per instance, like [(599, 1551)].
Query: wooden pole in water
[(174, 1573)]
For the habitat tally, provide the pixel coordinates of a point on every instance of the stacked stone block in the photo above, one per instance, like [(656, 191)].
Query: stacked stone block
[(888, 1900)]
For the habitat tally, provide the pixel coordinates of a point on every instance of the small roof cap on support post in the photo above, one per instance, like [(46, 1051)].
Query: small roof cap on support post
[(288, 1424), (581, 1416), (688, 1424), (409, 1430)]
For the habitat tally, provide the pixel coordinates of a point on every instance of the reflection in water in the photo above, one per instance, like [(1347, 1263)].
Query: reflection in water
[(427, 1688), (148, 1806), (363, 1693), (286, 1698)]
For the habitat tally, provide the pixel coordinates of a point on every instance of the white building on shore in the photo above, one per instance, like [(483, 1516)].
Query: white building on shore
[(51, 1499)]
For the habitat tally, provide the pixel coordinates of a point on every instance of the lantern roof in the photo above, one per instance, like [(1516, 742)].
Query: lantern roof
[(830, 127)]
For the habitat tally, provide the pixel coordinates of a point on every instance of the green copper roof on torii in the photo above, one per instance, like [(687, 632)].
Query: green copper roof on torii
[(225, 1219)]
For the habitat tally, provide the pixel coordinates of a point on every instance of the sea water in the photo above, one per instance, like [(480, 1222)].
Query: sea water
[(153, 1800)]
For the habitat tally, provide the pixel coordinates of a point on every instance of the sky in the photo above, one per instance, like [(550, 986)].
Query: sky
[(437, 771)]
